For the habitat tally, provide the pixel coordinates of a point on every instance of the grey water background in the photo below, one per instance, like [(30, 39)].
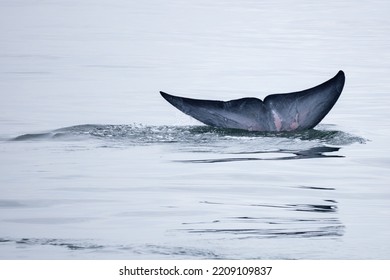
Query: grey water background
[(96, 165)]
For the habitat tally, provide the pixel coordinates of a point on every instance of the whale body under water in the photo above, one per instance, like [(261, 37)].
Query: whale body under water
[(293, 111)]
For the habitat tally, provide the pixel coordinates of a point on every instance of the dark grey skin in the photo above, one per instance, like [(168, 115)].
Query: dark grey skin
[(294, 111)]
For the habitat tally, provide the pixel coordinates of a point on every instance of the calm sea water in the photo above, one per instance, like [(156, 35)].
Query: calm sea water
[(96, 165)]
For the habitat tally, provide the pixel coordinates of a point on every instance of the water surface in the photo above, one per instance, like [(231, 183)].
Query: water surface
[(96, 165)]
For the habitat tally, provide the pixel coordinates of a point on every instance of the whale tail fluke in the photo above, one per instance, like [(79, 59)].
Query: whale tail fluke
[(278, 112)]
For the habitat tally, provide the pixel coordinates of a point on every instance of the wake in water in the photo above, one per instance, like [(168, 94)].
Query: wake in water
[(143, 134), (313, 143)]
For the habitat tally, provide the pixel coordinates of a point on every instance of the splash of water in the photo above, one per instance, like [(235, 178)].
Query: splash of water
[(144, 134), (314, 143)]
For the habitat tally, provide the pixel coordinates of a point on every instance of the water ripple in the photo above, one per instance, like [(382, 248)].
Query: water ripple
[(90, 246), (143, 134), (303, 221), (314, 143)]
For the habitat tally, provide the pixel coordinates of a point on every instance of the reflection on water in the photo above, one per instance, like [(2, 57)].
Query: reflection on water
[(315, 152)]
